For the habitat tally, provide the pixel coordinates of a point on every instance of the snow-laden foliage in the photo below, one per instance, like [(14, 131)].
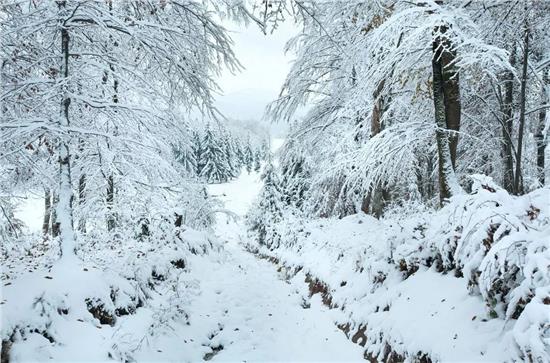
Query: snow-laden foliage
[(489, 244), (364, 72), (266, 216), (52, 308)]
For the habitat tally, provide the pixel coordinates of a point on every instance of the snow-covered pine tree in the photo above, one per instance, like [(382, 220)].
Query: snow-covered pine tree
[(185, 155), (196, 144), (226, 139), (248, 156), (239, 153), (257, 160), (214, 158), (265, 216)]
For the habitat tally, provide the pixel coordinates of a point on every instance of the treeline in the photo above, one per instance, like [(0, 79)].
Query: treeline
[(216, 154)]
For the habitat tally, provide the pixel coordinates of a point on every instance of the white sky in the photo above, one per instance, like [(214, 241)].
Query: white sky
[(246, 94)]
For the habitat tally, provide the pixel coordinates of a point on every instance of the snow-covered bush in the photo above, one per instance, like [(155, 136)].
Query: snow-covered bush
[(118, 293), (487, 251)]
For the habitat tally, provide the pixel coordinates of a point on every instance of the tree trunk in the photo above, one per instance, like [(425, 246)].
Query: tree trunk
[(539, 136), (507, 127), (54, 221), (64, 206), (111, 218), (378, 192), (81, 201), (110, 201), (448, 183), (47, 211), (451, 93), (518, 182)]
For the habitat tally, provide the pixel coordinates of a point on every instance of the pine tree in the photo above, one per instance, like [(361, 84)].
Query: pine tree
[(230, 154), (213, 157), (248, 157), (186, 156), (197, 152), (267, 214), (257, 160)]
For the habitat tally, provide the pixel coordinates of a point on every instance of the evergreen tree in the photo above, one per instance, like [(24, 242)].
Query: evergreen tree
[(230, 154), (267, 214), (214, 159), (197, 152), (257, 160), (239, 153), (185, 154), (248, 157)]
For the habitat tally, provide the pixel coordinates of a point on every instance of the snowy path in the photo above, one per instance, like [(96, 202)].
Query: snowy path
[(250, 310)]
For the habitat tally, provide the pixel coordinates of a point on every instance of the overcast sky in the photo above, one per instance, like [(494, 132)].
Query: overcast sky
[(246, 94)]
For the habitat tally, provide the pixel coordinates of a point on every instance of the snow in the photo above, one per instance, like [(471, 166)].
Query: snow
[(238, 194), (31, 212), (234, 305), (259, 309), (383, 275)]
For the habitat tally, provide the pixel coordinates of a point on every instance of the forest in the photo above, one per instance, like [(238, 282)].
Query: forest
[(399, 213)]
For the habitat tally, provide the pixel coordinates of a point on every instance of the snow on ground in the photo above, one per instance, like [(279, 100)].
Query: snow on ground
[(382, 273), (253, 311), (229, 306)]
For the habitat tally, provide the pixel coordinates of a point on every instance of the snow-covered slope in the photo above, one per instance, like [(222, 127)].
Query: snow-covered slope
[(469, 282)]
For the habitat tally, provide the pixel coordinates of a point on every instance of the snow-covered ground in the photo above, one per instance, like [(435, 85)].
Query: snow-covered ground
[(255, 313), (235, 306)]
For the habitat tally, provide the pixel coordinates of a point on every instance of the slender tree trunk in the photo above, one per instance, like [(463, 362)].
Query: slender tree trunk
[(507, 127), (377, 193), (54, 222), (47, 211), (111, 218), (81, 201), (539, 136), (111, 223), (448, 183), (518, 182), (451, 93), (65, 204)]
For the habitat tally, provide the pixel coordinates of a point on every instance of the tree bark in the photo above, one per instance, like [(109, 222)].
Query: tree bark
[(81, 201), (47, 211), (539, 135), (378, 192), (507, 127), (451, 93), (518, 182), (448, 183), (65, 204), (111, 218), (54, 221), (111, 222)]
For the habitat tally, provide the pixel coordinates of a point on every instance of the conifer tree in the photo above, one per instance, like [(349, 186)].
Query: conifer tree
[(248, 157), (197, 151), (214, 159), (257, 160), (267, 213)]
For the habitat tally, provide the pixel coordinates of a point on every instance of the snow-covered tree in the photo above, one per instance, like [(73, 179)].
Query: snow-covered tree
[(263, 220), (216, 168), (248, 156)]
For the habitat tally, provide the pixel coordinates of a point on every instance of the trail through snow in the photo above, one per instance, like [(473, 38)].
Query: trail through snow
[(249, 310)]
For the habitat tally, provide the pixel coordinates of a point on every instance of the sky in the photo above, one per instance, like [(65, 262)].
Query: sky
[(246, 94)]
